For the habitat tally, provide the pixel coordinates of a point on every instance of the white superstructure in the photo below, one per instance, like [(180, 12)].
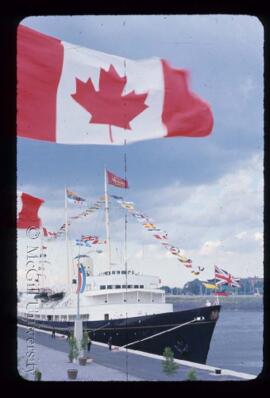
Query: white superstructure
[(108, 295)]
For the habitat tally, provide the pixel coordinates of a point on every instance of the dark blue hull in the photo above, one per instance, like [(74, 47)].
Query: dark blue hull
[(188, 333)]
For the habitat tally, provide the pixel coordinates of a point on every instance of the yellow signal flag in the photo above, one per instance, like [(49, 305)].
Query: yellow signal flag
[(148, 225), (183, 259), (209, 286)]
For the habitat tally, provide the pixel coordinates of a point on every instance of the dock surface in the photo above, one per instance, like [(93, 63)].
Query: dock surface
[(51, 358)]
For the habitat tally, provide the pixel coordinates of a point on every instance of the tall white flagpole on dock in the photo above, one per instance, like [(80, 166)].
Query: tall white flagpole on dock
[(66, 231), (107, 225)]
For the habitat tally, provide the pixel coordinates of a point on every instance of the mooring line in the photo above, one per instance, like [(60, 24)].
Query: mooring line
[(158, 334)]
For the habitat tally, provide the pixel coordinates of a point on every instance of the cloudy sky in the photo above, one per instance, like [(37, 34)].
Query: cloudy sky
[(207, 193)]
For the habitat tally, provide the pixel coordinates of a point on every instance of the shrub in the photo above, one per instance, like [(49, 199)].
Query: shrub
[(38, 375), (192, 375), (168, 365), (73, 348)]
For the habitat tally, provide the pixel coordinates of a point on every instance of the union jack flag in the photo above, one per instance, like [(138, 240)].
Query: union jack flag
[(224, 277)]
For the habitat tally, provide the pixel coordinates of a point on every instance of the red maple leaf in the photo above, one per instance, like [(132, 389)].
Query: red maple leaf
[(108, 106)]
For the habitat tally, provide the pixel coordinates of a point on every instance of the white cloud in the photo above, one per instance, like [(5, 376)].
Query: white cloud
[(247, 87), (241, 235), (209, 247), (258, 236)]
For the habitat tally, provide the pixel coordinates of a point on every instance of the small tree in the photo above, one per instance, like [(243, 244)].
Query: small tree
[(169, 366), (73, 349), (84, 341), (192, 375), (38, 375)]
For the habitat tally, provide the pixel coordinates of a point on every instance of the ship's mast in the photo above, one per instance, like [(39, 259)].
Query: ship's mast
[(125, 259), (107, 224), (66, 231)]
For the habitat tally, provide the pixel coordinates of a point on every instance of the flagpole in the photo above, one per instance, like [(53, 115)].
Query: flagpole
[(78, 290), (107, 225), (42, 261), (217, 298), (125, 260), (66, 231)]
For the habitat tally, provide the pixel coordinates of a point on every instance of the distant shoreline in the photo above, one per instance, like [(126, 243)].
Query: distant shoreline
[(228, 303)]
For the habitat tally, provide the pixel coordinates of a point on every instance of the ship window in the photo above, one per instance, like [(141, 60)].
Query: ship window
[(124, 286), (117, 286), (141, 286), (123, 272), (130, 286), (113, 272), (106, 317), (102, 287), (49, 317), (109, 286), (136, 286), (129, 272), (107, 273), (118, 272)]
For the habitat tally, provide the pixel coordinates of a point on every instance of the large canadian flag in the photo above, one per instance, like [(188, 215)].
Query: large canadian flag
[(73, 95)]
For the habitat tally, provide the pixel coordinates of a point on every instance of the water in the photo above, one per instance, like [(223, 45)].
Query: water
[(237, 342)]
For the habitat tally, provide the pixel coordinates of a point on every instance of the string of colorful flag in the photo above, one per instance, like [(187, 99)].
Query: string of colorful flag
[(30, 207), (157, 233), (89, 240), (77, 200)]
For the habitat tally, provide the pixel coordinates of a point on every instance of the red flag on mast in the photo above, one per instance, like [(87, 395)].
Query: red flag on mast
[(28, 216), (116, 181)]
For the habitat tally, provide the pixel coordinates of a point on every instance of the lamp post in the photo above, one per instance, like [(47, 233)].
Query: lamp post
[(78, 327)]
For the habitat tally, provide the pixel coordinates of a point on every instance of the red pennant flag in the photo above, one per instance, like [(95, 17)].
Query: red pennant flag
[(93, 103), (28, 216), (116, 181)]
